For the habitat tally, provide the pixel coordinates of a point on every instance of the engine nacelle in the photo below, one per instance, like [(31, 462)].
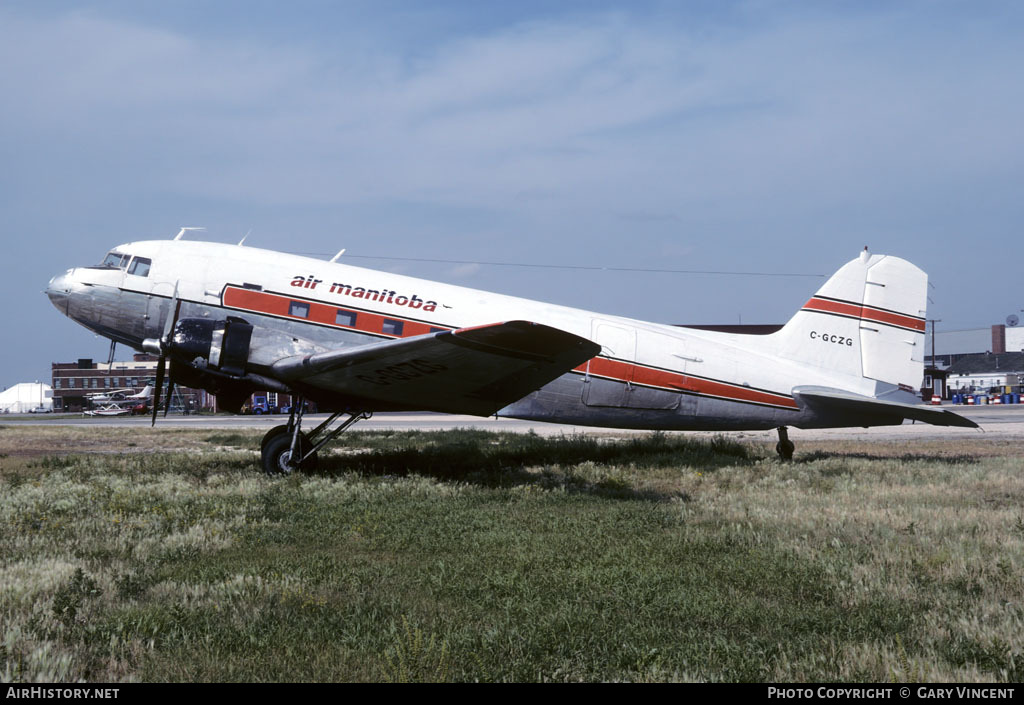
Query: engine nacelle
[(223, 344)]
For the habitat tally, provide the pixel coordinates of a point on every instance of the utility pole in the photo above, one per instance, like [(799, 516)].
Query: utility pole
[(933, 321)]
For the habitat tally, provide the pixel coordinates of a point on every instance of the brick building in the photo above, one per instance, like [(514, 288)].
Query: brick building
[(74, 382)]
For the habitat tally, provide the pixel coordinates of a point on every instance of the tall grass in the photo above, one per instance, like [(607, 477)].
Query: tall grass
[(504, 557)]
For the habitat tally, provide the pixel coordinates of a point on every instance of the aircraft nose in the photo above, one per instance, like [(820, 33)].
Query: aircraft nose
[(59, 290)]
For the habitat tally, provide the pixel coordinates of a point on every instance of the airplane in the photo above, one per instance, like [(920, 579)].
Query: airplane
[(119, 395), (104, 397), (234, 319), (144, 395)]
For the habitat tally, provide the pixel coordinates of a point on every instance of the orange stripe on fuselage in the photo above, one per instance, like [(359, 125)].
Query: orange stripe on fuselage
[(278, 305), (321, 313), (866, 313), (621, 371)]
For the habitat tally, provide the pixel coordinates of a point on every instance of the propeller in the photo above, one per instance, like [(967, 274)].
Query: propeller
[(161, 365)]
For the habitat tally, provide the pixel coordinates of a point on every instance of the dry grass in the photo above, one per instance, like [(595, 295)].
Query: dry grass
[(131, 554)]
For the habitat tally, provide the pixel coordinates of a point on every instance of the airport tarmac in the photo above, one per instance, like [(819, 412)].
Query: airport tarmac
[(996, 422)]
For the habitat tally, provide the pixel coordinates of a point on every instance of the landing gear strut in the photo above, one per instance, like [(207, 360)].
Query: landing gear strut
[(286, 448), (785, 446)]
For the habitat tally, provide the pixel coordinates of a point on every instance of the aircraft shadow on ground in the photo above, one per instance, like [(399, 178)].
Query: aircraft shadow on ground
[(958, 459), (547, 462)]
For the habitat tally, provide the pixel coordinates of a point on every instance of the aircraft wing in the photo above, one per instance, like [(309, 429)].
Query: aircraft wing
[(841, 401), (466, 371)]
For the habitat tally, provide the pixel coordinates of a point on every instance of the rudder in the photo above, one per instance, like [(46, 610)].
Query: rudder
[(866, 322)]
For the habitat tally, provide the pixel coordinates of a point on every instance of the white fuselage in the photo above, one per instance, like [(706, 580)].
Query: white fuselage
[(648, 375)]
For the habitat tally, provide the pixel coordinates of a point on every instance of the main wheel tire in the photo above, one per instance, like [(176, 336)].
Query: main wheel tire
[(277, 453), (275, 431)]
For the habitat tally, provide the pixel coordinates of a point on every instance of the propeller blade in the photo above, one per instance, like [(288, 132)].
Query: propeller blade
[(165, 347), (165, 342), (160, 367), (170, 390), (172, 320)]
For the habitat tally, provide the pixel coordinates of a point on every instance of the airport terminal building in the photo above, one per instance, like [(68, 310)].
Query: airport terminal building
[(75, 382)]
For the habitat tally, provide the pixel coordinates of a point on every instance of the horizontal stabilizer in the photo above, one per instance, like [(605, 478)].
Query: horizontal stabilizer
[(465, 371), (825, 398)]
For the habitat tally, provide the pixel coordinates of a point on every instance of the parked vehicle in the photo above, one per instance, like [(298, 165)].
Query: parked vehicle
[(260, 406)]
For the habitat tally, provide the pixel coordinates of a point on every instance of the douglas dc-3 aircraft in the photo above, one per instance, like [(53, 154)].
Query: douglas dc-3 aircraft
[(233, 320)]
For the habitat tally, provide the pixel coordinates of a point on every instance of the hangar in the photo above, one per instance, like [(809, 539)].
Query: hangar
[(26, 397)]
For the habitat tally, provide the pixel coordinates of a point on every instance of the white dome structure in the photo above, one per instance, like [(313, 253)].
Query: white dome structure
[(26, 397)]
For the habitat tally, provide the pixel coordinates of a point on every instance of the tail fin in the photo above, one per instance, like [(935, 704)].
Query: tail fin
[(867, 322)]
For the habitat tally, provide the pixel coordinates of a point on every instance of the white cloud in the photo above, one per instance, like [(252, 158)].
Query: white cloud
[(627, 113), (764, 137)]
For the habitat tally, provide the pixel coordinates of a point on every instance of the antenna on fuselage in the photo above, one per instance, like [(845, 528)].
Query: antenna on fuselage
[(182, 232), (242, 241), (340, 253)]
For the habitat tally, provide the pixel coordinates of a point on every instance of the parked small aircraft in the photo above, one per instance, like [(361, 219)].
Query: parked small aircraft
[(233, 320), (120, 395)]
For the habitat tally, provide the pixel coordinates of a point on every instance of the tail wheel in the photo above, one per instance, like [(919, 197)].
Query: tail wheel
[(276, 455), (785, 450), (784, 447)]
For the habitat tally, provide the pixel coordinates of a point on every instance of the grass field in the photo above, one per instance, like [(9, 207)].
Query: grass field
[(131, 554)]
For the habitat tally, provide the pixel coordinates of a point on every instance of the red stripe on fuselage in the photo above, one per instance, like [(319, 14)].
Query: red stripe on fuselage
[(278, 305), (323, 314), (621, 371), (866, 313)]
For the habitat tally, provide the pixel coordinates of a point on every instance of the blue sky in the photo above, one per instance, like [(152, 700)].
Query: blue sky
[(746, 136)]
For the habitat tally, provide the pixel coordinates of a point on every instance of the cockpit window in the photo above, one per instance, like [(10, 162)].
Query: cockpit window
[(140, 266), (116, 260)]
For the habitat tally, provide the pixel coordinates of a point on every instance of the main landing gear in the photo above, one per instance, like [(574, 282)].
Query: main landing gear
[(785, 446), (286, 448)]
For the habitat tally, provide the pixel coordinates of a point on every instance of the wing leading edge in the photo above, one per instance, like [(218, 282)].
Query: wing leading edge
[(466, 371), (839, 401)]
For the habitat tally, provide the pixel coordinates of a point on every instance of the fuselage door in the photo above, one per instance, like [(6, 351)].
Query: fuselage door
[(610, 375)]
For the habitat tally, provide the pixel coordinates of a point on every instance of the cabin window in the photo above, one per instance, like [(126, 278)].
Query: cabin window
[(435, 329), (392, 327), (345, 318), (140, 266), (298, 309), (116, 260)]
